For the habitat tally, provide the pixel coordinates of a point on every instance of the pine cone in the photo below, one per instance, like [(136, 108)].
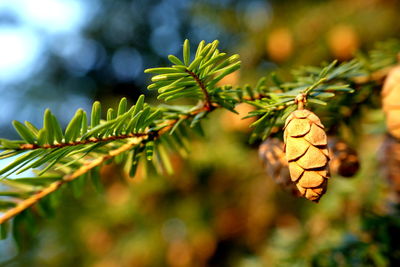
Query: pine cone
[(276, 166), (344, 159), (307, 153), (391, 101)]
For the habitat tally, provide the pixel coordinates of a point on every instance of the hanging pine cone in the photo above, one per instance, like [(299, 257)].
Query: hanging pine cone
[(275, 164), (307, 153), (389, 157), (344, 159), (391, 101)]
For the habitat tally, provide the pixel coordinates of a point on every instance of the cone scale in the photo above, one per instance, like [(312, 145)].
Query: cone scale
[(344, 159), (391, 100), (307, 153), (274, 161)]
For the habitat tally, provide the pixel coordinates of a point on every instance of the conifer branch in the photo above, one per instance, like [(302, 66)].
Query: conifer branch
[(82, 142), (86, 167), (138, 130)]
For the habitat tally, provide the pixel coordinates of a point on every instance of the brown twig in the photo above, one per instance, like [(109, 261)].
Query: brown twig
[(255, 97), (170, 124), (207, 100), (300, 100)]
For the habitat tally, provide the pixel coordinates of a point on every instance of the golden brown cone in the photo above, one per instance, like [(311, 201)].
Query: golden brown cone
[(275, 164), (306, 153), (344, 159), (391, 101)]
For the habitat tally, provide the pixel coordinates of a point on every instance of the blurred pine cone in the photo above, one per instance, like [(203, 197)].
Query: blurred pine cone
[(391, 101), (389, 158), (307, 153), (275, 164), (344, 159)]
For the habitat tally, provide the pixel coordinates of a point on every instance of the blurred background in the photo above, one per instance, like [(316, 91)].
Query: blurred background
[(219, 208)]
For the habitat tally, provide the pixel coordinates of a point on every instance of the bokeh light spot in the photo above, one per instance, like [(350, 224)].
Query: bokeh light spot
[(127, 63), (20, 48), (165, 40)]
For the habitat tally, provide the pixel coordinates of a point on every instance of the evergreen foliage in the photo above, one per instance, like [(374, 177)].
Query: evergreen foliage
[(141, 132)]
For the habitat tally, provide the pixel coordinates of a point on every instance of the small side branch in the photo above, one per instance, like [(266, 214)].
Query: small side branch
[(89, 165), (67, 178), (207, 98), (82, 142)]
